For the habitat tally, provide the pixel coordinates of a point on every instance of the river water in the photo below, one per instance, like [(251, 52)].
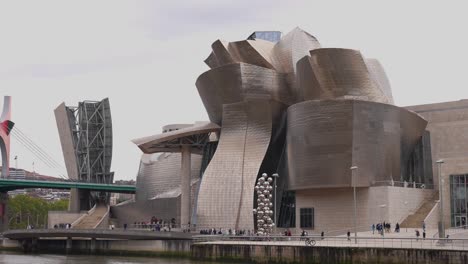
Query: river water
[(13, 258)]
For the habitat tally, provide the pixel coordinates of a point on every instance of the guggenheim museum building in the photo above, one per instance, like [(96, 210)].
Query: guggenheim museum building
[(324, 120)]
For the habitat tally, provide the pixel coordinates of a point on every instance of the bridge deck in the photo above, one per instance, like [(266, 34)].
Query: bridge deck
[(9, 185), (95, 233)]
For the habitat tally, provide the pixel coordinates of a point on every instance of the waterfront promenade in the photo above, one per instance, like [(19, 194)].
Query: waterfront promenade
[(458, 240), (401, 247)]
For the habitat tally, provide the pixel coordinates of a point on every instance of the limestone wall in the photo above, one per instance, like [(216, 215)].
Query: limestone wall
[(334, 207), (62, 217)]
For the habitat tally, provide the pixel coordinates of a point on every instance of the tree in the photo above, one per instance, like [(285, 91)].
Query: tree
[(24, 210)]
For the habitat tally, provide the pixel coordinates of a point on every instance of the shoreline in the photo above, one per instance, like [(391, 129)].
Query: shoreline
[(238, 253)]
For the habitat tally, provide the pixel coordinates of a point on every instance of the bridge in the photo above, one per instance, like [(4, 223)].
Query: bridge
[(10, 185)]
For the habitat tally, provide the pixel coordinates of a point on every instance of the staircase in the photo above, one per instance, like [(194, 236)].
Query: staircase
[(93, 219), (415, 220)]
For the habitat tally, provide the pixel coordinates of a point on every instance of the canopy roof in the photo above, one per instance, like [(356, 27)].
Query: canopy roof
[(195, 136)]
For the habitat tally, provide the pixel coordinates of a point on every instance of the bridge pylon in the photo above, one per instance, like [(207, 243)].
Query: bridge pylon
[(5, 128)]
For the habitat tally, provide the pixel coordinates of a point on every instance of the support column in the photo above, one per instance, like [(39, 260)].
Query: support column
[(185, 187), (74, 204), (93, 245), (3, 211), (68, 247), (34, 247)]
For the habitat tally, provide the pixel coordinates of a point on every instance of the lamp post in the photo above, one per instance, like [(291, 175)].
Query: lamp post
[(275, 178), (441, 199), (406, 209), (353, 180)]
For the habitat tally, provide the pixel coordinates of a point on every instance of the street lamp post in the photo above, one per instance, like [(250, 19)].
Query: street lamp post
[(406, 209), (441, 199), (353, 180), (275, 178)]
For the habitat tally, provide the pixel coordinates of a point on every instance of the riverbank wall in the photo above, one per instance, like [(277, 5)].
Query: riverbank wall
[(323, 255), (237, 253), (169, 248)]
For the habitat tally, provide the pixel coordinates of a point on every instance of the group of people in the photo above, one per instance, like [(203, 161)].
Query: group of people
[(384, 227), (58, 226), (424, 231), (229, 232), (155, 224)]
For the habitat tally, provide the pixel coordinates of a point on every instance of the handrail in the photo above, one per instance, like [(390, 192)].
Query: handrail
[(77, 221), (403, 184), (103, 217), (340, 241), (434, 209)]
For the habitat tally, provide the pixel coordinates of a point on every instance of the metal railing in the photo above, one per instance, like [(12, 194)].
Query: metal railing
[(328, 241), (404, 184)]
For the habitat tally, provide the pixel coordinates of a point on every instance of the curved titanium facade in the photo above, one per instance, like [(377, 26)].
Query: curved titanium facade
[(338, 73), (229, 178), (159, 174), (286, 106), (326, 137), (239, 82)]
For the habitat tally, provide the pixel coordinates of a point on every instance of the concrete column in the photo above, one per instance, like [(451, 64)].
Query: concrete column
[(74, 204), (3, 211), (68, 246), (185, 187), (93, 245), (34, 245)]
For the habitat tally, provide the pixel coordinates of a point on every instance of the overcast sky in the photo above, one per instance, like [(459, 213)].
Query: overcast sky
[(146, 55)]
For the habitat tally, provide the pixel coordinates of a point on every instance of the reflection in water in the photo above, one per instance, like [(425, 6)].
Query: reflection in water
[(8, 257)]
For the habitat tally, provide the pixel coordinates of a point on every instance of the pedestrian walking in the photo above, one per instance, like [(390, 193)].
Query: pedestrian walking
[(417, 234), (322, 235), (373, 228), (424, 234), (349, 235)]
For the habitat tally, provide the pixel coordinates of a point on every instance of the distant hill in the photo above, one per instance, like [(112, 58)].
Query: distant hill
[(37, 176)]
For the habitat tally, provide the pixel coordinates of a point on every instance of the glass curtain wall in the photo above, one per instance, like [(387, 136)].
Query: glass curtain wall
[(458, 200)]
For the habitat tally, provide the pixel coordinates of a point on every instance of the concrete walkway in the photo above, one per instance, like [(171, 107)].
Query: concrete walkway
[(404, 239)]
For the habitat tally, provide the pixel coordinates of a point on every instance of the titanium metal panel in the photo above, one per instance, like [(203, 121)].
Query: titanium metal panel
[(160, 174), (238, 82), (289, 50), (379, 76), (226, 191), (338, 73), (326, 137), (255, 52), (319, 144)]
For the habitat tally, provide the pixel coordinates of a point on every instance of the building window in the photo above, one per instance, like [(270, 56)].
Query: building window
[(459, 200), (287, 212), (307, 218)]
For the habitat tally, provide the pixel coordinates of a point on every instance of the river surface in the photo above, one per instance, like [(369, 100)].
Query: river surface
[(8, 257)]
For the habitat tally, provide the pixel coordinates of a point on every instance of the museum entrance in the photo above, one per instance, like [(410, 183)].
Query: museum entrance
[(460, 221)]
